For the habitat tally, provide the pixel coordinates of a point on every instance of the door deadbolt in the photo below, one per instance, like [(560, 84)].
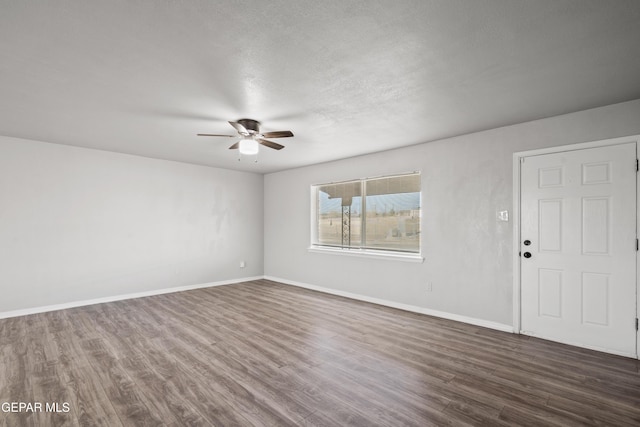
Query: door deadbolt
[(527, 242), (527, 254)]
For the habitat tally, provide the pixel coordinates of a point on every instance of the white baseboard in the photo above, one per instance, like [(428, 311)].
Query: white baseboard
[(43, 309), (442, 314), (406, 307)]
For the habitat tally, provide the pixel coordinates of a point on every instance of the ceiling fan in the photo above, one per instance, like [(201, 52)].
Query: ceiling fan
[(249, 131)]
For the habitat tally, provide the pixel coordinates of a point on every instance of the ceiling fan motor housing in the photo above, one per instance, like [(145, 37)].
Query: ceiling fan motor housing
[(250, 125)]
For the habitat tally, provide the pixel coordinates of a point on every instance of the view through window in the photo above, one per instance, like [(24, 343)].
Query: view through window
[(377, 213)]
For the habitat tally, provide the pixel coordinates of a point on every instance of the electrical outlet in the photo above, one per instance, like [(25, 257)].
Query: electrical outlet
[(242, 264), (429, 286)]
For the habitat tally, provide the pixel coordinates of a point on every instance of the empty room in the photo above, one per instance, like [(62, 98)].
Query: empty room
[(304, 213)]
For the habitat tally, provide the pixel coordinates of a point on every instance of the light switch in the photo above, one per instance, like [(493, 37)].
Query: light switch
[(503, 216)]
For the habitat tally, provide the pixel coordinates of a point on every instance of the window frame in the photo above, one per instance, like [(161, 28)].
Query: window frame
[(363, 252)]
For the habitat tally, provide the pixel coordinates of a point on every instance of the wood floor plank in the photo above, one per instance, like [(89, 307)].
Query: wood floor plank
[(16, 367), (262, 353), (121, 390), (215, 405), (474, 414), (165, 401), (87, 396), (47, 383)]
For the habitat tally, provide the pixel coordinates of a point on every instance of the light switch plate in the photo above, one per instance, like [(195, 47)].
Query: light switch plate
[(503, 216)]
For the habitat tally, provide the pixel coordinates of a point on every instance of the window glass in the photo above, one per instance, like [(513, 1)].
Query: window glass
[(378, 213), (393, 213), (339, 214)]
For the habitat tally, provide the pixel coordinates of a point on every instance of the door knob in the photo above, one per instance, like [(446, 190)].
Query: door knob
[(527, 254)]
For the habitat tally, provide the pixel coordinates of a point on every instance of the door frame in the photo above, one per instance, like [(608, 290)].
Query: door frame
[(517, 162)]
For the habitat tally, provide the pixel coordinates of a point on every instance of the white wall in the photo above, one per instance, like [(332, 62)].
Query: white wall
[(465, 181), (79, 224)]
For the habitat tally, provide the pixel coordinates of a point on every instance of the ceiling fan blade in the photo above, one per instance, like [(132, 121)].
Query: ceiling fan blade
[(243, 130), (278, 134), (270, 144), (213, 134), (234, 146)]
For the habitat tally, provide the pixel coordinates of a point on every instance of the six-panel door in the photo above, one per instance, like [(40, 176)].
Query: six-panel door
[(578, 281)]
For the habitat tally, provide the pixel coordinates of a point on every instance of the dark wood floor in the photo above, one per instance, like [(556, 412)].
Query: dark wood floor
[(266, 354)]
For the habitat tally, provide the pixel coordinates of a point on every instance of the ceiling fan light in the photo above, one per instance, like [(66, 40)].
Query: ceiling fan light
[(248, 146)]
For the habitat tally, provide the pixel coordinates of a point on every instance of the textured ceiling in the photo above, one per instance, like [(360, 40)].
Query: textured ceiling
[(347, 77)]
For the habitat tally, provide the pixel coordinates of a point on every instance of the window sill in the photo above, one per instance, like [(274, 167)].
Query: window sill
[(368, 253)]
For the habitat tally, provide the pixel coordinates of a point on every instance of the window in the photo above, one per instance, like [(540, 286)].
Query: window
[(379, 214)]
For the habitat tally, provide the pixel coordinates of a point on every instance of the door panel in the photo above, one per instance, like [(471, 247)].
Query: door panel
[(578, 276)]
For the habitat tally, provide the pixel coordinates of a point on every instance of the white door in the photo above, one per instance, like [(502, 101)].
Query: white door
[(578, 247)]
